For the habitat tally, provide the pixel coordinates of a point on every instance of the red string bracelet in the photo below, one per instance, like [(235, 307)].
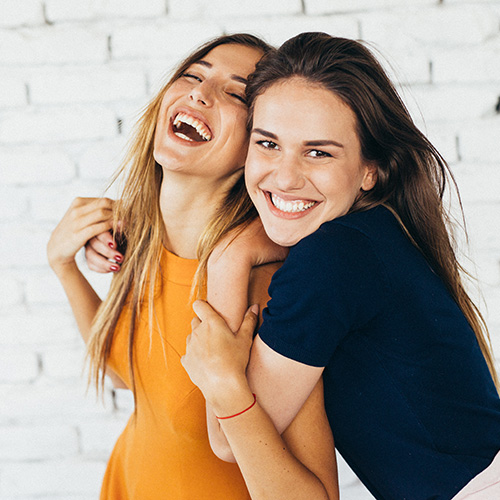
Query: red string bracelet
[(236, 414)]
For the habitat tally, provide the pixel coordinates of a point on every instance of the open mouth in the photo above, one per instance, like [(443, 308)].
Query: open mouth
[(291, 206), (191, 129)]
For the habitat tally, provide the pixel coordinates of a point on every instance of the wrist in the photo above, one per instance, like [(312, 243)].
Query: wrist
[(230, 397), (62, 269), (248, 408)]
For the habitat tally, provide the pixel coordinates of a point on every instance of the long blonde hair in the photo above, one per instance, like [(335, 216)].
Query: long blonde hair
[(143, 231)]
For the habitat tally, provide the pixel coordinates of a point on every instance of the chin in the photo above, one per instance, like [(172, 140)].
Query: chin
[(284, 240)]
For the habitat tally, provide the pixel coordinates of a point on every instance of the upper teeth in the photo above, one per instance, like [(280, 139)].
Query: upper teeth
[(200, 127), (291, 206)]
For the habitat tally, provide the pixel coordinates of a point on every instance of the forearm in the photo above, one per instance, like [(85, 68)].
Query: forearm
[(270, 470), (84, 303), (83, 299), (217, 438)]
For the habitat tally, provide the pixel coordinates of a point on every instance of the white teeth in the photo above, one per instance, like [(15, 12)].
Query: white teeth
[(182, 136), (196, 124), (291, 206)]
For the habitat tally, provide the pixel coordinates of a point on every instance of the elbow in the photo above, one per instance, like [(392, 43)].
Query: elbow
[(226, 456), (223, 452)]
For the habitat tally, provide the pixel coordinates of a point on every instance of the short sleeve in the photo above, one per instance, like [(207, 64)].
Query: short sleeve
[(332, 284)]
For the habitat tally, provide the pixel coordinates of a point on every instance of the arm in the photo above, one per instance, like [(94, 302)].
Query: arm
[(235, 265), (230, 267), (216, 363), (283, 385), (299, 465), (85, 218)]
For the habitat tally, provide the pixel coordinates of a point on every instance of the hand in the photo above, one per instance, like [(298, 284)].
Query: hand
[(100, 250), (85, 218), (216, 358)]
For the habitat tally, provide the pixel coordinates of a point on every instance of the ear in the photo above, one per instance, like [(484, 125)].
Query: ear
[(370, 177)]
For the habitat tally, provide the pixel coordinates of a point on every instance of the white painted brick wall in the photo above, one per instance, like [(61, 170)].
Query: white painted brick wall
[(72, 69), (53, 45), (25, 13), (55, 124)]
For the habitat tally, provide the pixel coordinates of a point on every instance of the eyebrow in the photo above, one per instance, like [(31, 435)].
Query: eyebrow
[(325, 142), (236, 78)]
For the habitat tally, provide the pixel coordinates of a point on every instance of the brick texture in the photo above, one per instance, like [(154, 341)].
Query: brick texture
[(75, 73)]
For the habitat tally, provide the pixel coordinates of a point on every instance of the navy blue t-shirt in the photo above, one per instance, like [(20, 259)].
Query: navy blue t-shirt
[(409, 397)]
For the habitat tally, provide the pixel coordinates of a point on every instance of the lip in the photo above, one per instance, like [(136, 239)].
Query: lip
[(194, 114), (287, 215)]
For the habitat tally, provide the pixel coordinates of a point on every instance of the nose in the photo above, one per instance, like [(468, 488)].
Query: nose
[(289, 175), (202, 93)]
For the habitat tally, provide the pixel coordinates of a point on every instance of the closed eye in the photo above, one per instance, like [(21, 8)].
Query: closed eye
[(190, 75), (238, 96)]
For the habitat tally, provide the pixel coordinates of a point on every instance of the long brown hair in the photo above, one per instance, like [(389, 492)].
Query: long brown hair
[(412, 175), (138, 210)]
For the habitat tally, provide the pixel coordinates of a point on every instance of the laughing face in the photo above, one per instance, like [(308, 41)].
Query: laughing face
[(201, 124), (304, 164)]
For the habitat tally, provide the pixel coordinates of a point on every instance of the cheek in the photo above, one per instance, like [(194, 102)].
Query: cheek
[(339, 185), (237, 132), (253, 170)]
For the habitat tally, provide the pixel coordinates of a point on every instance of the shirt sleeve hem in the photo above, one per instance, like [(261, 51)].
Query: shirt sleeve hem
[(292, 352)]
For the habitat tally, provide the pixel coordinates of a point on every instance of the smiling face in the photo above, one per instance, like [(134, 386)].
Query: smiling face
[(304, 164), (201, 126)]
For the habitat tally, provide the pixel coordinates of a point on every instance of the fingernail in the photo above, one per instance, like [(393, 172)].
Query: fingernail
[(111, 244), (255, 309), (118, 258), (114, 268)]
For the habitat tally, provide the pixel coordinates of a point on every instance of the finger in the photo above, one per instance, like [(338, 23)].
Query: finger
[(249, 323), (188, 340), (92, 230), (80, 237), (101, 202), (94, 216), (108, 240), (84, 206), (88, 210), (100, 244), (195, 322), (96, 262), (204, 311)]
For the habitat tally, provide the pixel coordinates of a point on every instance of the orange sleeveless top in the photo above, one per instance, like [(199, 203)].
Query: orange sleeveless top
[(164, 452)]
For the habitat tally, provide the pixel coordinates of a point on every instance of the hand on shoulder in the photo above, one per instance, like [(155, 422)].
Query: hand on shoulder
[(84, 219)]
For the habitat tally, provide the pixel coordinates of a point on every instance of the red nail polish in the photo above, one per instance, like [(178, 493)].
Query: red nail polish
[(114, 268), (118, 258), (111, 244)]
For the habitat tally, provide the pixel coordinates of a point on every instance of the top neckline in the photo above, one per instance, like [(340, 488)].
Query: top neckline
[(177, 269)]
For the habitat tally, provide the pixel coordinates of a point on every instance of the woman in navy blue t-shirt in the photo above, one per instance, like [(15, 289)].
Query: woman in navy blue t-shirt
[(370, 295)]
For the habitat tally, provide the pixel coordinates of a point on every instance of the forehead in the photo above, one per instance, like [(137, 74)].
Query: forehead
[(299, 108), (233, 59)]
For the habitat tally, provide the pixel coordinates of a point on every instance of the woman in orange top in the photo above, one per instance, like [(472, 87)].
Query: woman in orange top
[(184, 191)]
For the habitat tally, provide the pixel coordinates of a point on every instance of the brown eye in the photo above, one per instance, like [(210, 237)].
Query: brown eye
[(316, 153), (267, 144)]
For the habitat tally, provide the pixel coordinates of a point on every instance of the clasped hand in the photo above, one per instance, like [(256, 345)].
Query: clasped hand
[(216, 358), (85, 218)]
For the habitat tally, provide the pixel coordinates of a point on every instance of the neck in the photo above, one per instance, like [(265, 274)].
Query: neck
[(187, 205)]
